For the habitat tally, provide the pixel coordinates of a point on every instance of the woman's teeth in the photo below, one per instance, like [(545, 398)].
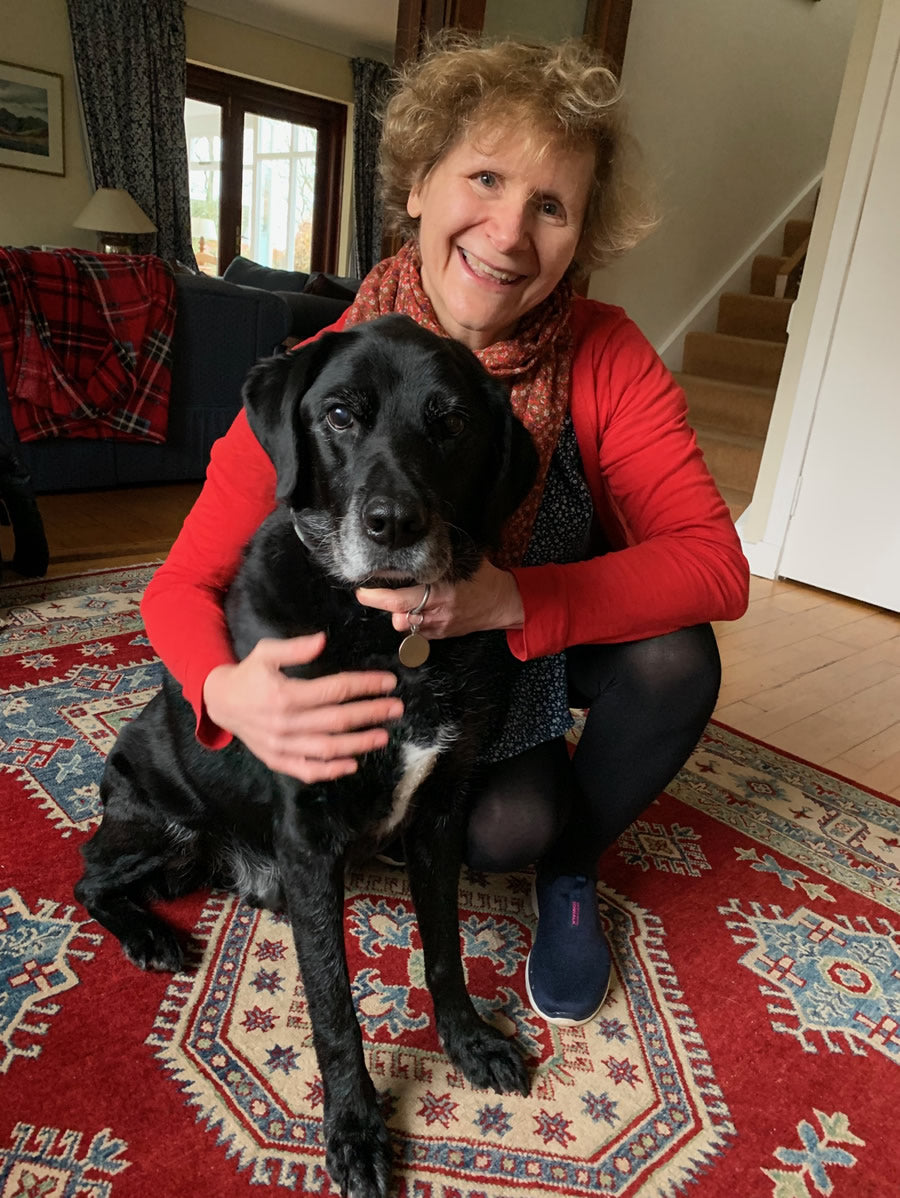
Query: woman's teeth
[(482, 268)]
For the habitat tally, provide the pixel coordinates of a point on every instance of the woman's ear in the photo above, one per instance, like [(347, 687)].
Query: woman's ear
[(414, 201)]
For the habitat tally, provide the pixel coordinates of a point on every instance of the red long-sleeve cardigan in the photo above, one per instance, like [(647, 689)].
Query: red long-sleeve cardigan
[(676, 558)]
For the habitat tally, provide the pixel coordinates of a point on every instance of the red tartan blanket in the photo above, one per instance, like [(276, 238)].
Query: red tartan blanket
[(86, 343)]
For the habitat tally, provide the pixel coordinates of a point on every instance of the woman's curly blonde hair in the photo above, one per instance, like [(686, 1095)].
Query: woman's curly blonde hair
[(559, 94)]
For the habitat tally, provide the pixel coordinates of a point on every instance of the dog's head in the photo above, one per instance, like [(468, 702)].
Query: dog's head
[(397, 452)]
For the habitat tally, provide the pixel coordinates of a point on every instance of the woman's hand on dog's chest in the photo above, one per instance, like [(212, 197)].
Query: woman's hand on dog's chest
[(489, 600), (311, 729)]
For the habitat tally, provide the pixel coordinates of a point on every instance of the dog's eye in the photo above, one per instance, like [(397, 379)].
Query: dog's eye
[(452, 424), (339, 417)]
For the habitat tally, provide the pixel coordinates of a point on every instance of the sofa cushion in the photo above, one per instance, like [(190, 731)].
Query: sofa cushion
[(331, 286), (268, 278), (311, 313)]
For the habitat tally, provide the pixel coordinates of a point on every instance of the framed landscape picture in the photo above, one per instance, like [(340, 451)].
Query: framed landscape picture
[(31, 120)]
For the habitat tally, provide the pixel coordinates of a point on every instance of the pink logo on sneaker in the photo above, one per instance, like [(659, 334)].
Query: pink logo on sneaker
[(576, 914)]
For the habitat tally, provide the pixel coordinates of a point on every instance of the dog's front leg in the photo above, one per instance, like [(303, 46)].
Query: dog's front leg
[(434, 846), (357, 1144)]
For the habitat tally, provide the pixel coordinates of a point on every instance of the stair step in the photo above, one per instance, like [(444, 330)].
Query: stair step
[(760, 316), (733, 461), (762, 276), (735, 359), (795, 233), (730, 407), (738, 501)]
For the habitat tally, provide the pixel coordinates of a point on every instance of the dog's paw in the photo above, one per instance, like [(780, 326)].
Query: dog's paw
[(487, 1059), (358, 1154), (154, 946)]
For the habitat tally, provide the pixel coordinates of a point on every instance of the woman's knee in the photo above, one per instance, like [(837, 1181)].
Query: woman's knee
[(681, 667), (505, 835), (520, 809), (685, 663)]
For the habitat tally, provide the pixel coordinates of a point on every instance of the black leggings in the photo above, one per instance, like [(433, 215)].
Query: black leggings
[(648, 703)]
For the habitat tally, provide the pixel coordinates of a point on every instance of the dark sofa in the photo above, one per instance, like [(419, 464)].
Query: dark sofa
[(221, 328), (316, 300)]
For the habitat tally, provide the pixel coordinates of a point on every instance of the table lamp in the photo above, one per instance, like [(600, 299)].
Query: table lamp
[(114, 215)]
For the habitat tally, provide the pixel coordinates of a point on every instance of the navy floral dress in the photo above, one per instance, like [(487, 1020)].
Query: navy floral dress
[(539, 703)]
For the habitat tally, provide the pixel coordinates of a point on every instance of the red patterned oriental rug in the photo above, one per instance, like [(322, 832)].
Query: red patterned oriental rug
[(750, 1044)]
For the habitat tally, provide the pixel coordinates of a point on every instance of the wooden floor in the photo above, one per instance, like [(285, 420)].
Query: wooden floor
[(819, 676), (809, 672), (90, 529)]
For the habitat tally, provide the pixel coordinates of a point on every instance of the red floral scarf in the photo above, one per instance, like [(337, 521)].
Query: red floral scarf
[(536, 362)]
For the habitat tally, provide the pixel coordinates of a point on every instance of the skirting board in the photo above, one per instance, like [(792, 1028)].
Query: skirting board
[(703, 315), (762, 556)]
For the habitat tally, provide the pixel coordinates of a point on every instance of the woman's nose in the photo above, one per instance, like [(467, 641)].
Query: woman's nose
[(509, 226)]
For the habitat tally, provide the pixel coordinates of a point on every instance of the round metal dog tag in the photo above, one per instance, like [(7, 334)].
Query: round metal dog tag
[(413, 651)]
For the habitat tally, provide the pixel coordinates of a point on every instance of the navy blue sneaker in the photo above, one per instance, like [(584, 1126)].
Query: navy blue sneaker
[(568, 968)]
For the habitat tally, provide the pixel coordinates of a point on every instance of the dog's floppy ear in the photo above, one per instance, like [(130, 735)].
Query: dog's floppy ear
[(516, 465), (272, 393)]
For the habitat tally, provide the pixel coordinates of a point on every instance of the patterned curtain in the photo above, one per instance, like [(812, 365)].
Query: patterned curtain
[(370, 90), (130, 63)]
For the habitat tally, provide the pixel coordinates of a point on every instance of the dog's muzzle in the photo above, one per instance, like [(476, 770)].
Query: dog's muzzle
[(377, 539)]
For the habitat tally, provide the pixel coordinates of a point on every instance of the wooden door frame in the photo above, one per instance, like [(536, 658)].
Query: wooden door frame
[(606, 28), (418, 20), (605, 25)]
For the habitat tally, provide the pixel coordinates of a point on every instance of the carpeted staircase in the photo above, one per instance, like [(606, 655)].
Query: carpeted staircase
[(730, 376)]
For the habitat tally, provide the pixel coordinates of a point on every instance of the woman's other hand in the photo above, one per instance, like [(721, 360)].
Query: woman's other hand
[(311, 729), (490, 599)]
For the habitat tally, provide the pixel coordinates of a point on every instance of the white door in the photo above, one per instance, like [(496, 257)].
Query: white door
[(844, 535)]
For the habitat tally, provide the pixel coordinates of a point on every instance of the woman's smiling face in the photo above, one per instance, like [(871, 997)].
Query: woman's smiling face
[(498, 228)]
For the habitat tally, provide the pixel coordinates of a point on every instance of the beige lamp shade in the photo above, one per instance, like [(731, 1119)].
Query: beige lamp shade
[(114, 214)]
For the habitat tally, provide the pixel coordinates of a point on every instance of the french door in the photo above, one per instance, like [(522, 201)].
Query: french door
[(265, 167)]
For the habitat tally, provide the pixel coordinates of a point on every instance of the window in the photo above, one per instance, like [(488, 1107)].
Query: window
[(265, 168)]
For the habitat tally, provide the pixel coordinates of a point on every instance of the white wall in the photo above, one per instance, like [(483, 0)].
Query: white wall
[(534, 19), (733, 103), (349, 28), (228, 45)]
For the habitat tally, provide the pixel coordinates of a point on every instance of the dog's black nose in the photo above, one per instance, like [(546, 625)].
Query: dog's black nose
[(393, 522)]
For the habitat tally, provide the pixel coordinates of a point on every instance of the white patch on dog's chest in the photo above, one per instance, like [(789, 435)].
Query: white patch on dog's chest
[(255, 875), (417, 762)]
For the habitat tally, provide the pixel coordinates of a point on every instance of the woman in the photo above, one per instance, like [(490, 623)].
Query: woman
[(503, 165)]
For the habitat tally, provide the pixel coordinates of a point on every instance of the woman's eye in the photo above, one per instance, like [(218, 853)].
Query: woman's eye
[(486, 178), (551, 208), (339, 418)]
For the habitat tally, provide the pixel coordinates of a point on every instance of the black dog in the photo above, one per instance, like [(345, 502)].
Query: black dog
[(398, 459)]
